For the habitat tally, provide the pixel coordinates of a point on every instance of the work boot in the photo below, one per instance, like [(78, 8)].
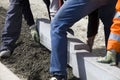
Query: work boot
[(5, 53), (90, 42), (110, 58), (58, 77)]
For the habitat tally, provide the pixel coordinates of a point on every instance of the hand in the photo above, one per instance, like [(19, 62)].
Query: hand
[(34, 34)]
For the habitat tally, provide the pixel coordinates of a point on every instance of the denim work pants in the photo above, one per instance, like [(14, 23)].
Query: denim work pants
[(13, 21), (69, 13)]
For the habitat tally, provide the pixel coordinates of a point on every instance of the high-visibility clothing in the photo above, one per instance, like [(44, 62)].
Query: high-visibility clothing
[(114, 38), (118, 5)]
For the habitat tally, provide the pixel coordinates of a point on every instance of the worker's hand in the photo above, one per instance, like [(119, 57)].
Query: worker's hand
[(34, 34)]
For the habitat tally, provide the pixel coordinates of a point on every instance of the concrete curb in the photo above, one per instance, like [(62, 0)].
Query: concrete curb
[(83, 63), (6, 74)]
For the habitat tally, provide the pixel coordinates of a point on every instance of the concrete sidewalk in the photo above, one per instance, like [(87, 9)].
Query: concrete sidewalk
[(6, 74)]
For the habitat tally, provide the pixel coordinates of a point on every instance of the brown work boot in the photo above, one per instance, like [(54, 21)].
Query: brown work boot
[(110, 58), (90, 42)]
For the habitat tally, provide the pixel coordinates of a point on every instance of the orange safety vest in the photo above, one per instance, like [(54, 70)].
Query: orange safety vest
[(114, 38), (118, 5)]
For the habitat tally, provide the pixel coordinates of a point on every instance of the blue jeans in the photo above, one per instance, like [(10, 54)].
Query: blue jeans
[(69, 13)]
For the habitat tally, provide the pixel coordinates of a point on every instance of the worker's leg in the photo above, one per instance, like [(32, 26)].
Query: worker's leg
[(107, 21), (69, 13), (107, 13), (54, 7), (26, 10), (93, 24), (12, 25)]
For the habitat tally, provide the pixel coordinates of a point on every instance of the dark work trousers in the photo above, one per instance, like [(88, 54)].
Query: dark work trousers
[(106, 18), (13, 21), (93, 23), (26, 10), (106, 14)]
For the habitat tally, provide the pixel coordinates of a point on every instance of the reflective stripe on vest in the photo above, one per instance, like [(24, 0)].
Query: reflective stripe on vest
[(114, 37), (117, 15)]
